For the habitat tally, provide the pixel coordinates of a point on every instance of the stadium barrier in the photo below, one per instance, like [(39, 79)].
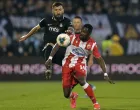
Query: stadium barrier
[(32, 68)]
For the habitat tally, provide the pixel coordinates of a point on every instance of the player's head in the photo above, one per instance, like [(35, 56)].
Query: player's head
[(57, 10), (77, 23), (85, 32)]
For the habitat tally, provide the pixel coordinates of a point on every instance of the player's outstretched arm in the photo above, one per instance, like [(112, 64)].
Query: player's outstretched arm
[(102, 64), (48, 63), (90, 61), (33, 31)]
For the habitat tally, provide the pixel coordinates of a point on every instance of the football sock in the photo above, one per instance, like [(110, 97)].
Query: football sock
[(87, 88)]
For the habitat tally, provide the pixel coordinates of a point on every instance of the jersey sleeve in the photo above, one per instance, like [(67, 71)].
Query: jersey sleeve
[(95, 52), (42, 23)]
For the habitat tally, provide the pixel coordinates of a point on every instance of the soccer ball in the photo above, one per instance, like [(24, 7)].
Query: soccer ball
[(63, 40)]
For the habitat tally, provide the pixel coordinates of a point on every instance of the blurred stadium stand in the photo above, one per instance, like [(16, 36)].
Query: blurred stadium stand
[(108, 17)]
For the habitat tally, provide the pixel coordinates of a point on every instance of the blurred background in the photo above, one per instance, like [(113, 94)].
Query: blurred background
[(116, 30)]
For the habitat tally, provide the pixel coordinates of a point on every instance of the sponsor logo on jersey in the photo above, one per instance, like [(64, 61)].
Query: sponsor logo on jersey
[(88, 46), (79, 52), (54, 29), (49, 24)]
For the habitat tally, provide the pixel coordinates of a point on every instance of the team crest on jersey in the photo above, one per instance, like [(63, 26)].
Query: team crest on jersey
[(88, 46), (61, 25)]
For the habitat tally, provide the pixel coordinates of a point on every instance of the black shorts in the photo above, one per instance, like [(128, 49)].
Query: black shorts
[(58, 57)]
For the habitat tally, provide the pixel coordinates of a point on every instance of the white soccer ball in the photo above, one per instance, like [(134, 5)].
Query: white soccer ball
[(63, 40)]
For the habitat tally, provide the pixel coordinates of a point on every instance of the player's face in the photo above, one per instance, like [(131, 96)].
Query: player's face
[(58, 11), (84, 35), (77, 24)]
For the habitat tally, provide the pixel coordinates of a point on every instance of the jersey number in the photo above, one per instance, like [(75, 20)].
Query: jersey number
[(82, 67)]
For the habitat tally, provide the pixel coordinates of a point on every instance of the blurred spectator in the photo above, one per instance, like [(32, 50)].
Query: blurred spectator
[(106, 46), (38, 8), (134, 8), (131, 32), (116, 48), (124, 43), (3, 46), (18, 48), (79, 11), (30, 50)]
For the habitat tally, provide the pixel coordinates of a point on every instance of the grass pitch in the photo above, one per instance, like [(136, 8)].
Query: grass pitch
[(49, 96)]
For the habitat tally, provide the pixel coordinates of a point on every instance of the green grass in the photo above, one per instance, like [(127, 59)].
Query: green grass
[(49, 96)]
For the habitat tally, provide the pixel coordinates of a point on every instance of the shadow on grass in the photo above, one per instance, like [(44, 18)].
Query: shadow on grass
[(83, 108), (102, 109)]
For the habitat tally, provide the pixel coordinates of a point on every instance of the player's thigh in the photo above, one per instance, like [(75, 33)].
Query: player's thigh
[(66, 77), (81, 73), (80, 70), (47, 52), (59, 56), (74, 81), (67, 81)]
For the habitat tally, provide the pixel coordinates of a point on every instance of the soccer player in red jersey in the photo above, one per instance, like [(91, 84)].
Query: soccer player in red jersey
[(74, 64), (77, 25)]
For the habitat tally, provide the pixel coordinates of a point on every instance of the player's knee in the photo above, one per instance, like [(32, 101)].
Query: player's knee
[(81, 80), (82, 83), (66, 95)]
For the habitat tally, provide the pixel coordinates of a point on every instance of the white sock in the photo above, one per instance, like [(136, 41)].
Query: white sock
[(85, 86)]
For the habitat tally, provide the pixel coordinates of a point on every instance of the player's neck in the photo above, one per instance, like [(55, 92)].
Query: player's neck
[(85, 40), (58, 19), (78, 31)]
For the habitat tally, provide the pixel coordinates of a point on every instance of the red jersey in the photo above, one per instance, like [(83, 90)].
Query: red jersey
[(78, 51)]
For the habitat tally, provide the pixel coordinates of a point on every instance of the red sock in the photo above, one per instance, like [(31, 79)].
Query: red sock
[(90, 93)]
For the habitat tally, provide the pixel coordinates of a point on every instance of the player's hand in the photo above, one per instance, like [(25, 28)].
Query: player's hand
[(69, 32), (90, 63), (23, 38), (106, 77), (48, 63), (48, 72)]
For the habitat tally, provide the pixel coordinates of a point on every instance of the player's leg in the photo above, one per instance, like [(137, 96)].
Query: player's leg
[(74, 82), (68, 84), (66, 81), (59, 56), (88, 71), (92, 85), (47, 52), (57, 59), (81, 77)]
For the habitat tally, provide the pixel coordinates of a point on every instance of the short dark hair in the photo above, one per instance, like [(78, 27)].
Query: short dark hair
[(77, 17), (56, 4), (89, 27)]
